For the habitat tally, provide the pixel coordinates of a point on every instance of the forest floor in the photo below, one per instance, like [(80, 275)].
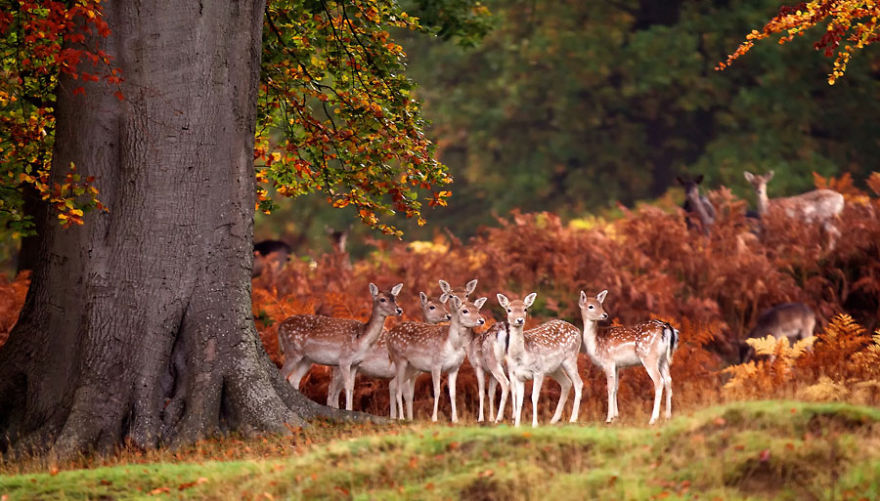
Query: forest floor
[(758, 450)]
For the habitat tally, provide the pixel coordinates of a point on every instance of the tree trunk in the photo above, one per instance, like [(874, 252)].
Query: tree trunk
[(138, 324)]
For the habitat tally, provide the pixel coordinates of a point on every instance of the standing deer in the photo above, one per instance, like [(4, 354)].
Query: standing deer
[(817, 206), (695, 203), (650, 344), (342, 342), (377, 363), (461, 294), (794, 321), (549, 349), (486, 354), (416, 346)]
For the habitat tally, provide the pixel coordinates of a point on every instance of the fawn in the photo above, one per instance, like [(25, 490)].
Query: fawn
[(549, 349), (416, 346), (650, 344), (308, 339)]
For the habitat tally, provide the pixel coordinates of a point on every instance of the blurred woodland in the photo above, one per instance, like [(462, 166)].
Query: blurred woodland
[(575, 107)]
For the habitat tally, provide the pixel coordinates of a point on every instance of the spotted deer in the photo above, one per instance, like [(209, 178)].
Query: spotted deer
[(341, 342), (486, 353), (461, 294), (419, 347), (650, 344), (550, 349), (377, 362), (695, 203), (817, 206), (794, 321)]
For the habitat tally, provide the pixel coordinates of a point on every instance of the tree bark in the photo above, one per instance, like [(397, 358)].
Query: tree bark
[(138, 324)]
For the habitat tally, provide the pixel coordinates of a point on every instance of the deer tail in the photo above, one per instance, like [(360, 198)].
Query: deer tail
[(670, 333)]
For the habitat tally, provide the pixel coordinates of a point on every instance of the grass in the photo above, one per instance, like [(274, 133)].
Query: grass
[(753, 450)]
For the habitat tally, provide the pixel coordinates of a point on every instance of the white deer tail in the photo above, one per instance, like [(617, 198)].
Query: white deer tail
[(670, 335)]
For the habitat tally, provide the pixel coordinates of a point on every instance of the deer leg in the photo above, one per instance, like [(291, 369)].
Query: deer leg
[(298, 370), (435, 378), (453, 377), (481, 389), (564, 387), (398, 386), (616, 389), (493, 384), (410, 394), (392, 397), (334, 389), (667, 384), (610, 376), (348, 379), (519, 389), (498, 375), (571, 370), (536, 395), (654, 373)]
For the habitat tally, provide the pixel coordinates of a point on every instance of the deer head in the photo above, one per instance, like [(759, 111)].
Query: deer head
[(385, 302), (591, 307), (516, 309), (433, 310)]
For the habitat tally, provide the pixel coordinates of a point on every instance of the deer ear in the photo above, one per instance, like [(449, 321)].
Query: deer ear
[(769, 175), (469, 288), (749, 176), (530, 299), (601, 296), (502, 300), (698, 179), (456, 303), (423, 297), (396, 289), (583, 299), (444, 297), (444, 286), (373, 289), (480, 302), (679, 180)]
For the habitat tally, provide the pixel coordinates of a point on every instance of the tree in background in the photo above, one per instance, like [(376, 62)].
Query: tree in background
[(138, 325)]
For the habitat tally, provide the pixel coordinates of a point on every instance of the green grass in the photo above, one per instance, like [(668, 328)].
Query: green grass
[(754, 450)]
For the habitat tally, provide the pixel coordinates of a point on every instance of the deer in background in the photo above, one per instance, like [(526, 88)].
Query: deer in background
[(549, 349), (342, 342), (461, 294), (269, 254), (377, 362), (794, 321), (817, 206), (695, 203), (418, 347), (650, 344)]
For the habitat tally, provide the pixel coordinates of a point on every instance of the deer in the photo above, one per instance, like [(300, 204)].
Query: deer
[(486, 354), (695, 203), (817, 206), (341, 342), (651, 344), (269, 254), (548, 349), (419, 347), (377, 362), (794, 321)]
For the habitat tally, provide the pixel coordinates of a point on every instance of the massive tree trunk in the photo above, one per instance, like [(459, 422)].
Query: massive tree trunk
[(138, 324)]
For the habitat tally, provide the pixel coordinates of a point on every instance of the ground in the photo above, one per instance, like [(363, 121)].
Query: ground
[(757, 450)]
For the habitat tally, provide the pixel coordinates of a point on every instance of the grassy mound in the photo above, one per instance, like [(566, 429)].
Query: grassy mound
[(788, 450)]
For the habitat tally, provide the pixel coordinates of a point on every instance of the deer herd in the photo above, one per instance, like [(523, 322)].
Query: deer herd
[(507, 354), (506, 351)]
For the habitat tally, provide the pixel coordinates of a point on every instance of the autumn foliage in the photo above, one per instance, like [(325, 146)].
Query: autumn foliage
[(712, 288)]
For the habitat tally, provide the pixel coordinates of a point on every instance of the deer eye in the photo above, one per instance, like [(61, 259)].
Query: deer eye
[(508, 310), (432, 307), (382, 300), (590, 307), (464, 311)]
